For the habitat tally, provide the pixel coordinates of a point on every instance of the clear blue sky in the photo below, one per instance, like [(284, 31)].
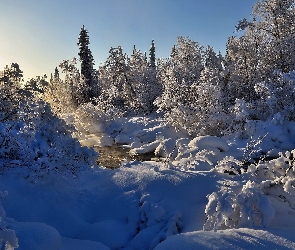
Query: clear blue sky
[(39, 34)]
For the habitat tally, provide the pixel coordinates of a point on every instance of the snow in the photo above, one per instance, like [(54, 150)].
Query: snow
[(230, 239), (77, 244), (34, 236), (209, 142), (162, 204)]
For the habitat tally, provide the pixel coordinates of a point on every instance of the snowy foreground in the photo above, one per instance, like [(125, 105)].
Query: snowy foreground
[(185, 201)]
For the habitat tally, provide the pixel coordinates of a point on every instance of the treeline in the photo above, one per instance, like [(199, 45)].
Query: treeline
[(195, 88)]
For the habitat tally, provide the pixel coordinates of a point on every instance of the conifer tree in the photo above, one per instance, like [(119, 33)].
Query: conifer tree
[(152, 62), (56, 74), (87, 63)]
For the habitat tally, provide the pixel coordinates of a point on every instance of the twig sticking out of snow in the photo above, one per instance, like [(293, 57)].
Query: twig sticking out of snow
[(251, 148), (168, 158)]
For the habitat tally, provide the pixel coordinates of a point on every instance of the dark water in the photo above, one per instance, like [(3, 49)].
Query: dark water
[(112, 156)]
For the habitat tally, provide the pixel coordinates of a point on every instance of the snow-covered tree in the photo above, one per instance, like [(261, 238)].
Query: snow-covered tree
[(241, 67), (143, 76), (180, 74), (155, 87), (11, 92), (137, 66), (277, 98), (12, 74), (64, 95), (114, 82), (211, 117), (37, 85), (182, 69), (76, 93), (121, 79), (212, 60), (186, 60), (265, 46), (275, 20)]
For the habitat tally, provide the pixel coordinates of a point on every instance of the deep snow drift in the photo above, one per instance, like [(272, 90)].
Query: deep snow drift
[(197, 196)]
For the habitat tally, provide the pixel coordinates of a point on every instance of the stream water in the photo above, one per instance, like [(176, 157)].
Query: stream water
[(112, 156)]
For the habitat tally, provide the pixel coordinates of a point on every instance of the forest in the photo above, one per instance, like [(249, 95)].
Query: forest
[(219, 130)]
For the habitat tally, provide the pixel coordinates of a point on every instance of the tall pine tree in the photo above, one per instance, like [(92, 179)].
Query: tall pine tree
[(152, 62), (87, 63)]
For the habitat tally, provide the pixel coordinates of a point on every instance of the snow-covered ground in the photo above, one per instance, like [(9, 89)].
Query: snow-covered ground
[(184, 201)]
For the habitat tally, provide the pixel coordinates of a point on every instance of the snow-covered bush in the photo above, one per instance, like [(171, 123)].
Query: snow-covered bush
[(234, 166), (200, 153), (233, 207), (155, 223), (252, 204), (200, 113), (89, 119), (37, 143), (275, 104), (276, 177), (8, 239), (230, 165)]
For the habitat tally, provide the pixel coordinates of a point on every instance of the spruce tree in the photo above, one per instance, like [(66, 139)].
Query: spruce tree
[(56, 74), (87, 63), (152, 62)]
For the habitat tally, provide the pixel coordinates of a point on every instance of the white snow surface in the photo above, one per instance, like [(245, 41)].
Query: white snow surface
[(155, 205)]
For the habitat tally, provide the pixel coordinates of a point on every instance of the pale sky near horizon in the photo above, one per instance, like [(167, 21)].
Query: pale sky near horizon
[(40, 34)]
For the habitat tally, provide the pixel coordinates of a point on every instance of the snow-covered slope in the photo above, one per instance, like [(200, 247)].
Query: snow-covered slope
[(156, 205)]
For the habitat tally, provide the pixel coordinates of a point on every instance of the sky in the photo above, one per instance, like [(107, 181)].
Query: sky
[(40, 34)]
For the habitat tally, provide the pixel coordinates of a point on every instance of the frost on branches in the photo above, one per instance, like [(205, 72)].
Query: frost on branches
[(233, 207), (129, 85), (193, 96), (33, 140), (269, 190), (38, 143)]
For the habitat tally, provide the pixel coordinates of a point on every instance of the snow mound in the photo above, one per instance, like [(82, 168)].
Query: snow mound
[(228, 239), (209, 143), (8, 239), (77, 244), (35, 236)]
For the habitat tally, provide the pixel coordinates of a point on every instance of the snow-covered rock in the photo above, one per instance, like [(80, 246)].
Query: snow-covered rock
[(207, 142)]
